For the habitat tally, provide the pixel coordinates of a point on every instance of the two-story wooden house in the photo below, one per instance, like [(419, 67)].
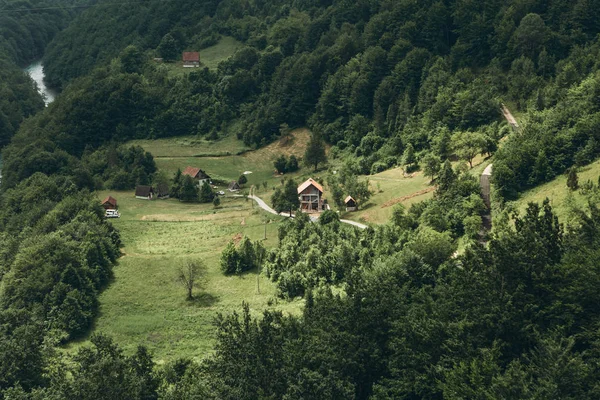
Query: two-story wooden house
[(310, 194)]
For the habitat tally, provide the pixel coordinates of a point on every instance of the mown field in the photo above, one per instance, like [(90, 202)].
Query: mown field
[(561, 198), (146, 305)]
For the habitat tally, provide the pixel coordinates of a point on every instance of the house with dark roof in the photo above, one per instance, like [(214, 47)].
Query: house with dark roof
[(310, 194), (350, 204), (109, 203), (198, 174), (234, 186), (162, 191), (191, 59), (144, 192)]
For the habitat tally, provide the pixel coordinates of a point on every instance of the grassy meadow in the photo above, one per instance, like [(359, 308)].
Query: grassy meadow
[(209, 57), (146, 305), (561, 198)]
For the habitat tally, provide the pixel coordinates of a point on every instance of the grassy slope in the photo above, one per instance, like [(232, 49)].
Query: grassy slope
[(145, 305), (558, 193), (171, 154), (209, 57)]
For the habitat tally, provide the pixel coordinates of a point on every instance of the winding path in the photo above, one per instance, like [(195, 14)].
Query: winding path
[(261, 203)]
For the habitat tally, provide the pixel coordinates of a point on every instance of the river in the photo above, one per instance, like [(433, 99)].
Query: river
[(36, 71)]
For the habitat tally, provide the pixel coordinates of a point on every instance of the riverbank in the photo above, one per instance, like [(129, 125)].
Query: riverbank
[(36, 72)]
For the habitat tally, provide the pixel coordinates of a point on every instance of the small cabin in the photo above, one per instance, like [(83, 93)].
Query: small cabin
[(144, 192), (191, 59), (234, 186), (198, 174), (162, 191), (350, 204), (310, 194), (109, 203)]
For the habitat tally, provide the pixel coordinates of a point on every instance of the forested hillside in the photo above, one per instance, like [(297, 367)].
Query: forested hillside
[(372, 78), (26, 28), (391, 311)]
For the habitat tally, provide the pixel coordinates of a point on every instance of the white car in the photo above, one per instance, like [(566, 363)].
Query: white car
[(112, 214), (221, 193)]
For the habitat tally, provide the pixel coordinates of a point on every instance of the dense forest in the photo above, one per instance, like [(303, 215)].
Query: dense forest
[(374, 79), (26, 28), (391, 311)]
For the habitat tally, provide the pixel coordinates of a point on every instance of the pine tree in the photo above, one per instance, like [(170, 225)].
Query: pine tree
[(573, 179), (206, 193)]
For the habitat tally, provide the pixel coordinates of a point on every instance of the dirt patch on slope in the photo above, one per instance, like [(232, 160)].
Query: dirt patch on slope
[(392, 202)]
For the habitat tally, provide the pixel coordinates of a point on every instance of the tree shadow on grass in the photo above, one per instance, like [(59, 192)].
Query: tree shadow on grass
[(203, 299), (367, 206)]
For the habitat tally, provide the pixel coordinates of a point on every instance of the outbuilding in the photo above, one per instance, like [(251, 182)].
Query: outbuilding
[(162, 191), (144, 192), (350, 204), (234, 186), (191, 59), (109, 203)]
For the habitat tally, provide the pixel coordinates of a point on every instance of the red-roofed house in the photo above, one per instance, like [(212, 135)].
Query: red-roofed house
[(196, 173), (191, 59), (310, 194), (109, 203)]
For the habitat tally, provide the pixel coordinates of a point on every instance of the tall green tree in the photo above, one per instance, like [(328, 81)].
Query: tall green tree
[(315, 151), (167, 48)]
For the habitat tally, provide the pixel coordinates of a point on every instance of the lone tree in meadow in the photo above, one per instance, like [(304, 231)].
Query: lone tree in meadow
[(572, 179), (191, 276), (315, 151), (242, 180)]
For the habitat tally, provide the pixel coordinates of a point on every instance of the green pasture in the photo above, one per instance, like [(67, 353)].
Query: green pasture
[(145, 304), (387, 187), (561, 198), (209, 57)]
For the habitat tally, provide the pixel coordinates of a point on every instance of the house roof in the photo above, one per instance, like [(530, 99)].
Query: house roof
[(234, 185), (348, 199), (110, 200), (195, 173), (143, 191), (308, 183), (162, 189), (191, 56)]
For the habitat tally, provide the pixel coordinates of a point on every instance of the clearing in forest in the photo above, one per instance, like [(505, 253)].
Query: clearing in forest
[(145, 305)]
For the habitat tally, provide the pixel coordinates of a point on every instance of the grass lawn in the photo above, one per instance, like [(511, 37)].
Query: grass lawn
[(145, 304), (558, 193), (391, 187)]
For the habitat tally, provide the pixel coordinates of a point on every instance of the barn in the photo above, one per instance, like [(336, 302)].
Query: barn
[(144, 192), (109, 203), (162, 191), (191, 59)]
